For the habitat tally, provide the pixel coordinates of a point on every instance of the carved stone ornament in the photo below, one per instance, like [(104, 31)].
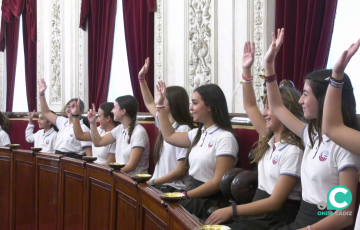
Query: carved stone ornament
[(159, 41), (55, 53), (199, 48), (80, 56)]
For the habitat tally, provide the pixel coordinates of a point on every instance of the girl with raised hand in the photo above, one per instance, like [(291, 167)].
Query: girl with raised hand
[(132, 141), (66, 142), (44, 138), (4, 128), (105, 154), (170, 160), (325, 164), (278, 153), (334, 110), (213, 146)]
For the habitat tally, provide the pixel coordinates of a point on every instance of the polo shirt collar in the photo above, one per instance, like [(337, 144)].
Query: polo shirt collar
[(175, 125), (212, 129), (49, 132), (127, 129), (279, 145)]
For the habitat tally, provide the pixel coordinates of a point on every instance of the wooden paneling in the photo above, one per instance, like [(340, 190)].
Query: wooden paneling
[(72, 194), (47, 191), (181, 219), (126, 198), (100, 197), (5, 188), (24, 189)]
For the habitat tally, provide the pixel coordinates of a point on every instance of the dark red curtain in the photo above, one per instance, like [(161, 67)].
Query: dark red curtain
[(308, 28), (139, 36), (101, 15), (9, 38)]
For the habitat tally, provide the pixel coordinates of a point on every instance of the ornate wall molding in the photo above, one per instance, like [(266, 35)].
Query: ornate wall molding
[(200, 59), (55, 82), (258, 38), (80, 58), (159, 42), (1, 73), (38, 47)]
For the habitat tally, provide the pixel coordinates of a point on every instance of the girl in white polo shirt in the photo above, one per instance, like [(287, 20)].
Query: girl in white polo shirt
[(213, 146), (105, 154), (279, 154), (325, 164), (169, 159), (4, 127), (66, 142), (44, 138), (132, 141), (333, 122)]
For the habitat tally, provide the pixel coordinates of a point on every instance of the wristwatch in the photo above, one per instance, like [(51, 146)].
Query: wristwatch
[(153, 182)]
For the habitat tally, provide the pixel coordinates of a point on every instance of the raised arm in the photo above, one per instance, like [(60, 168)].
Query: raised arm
[(29, 131), (95, 136), (79, 133), (148, 98), (275, 103), (249, 99), (274, 203), (333, 124), (45, 111), (223, 164), (168, 132)]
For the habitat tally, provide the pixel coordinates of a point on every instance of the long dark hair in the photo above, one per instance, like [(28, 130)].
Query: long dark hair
[(131, 105), (290, 98), (319, 82), (214, 98), (107, 107), (179, 108), (4, 122)]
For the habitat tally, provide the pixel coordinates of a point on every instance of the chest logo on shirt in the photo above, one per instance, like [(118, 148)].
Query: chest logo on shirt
[(211, 144), (324, 155), (275, 159), (47, 142)]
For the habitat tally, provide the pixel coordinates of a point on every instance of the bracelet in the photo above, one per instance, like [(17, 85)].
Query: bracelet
[(309, 227), (75, 115), (141, 79), (337, 81), (271, 78), (247, 79), (160, 106), (233, 205), (185, 195), (42, 94), (335, 84), (153, 182)]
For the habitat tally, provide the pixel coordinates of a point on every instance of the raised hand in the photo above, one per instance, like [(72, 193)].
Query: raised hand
[(31, 116), (339, 67), (42, 85), (92, 114), (248, 57), (274, 47), (75, 107), (160, 93), (145, 68)]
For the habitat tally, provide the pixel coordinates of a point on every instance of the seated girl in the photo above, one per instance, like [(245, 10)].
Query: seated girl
[(213, 146), (278, 153), (105, 154), (325, 164), (132, 141), (44, 138), (66, 142), (4, 128), (169, 159)]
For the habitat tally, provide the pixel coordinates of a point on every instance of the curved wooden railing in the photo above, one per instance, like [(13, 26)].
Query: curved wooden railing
[(48, 191)]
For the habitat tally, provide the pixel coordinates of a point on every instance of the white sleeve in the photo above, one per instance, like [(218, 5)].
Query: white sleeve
[(29, 133), (290, 162), (192, 134), (112, 148), (85, 144), (115, 131), (305, 135), (60, 122), (139, 139), (53, 142), (227, 146), (182, 152), (156, 118), (5, 139), (345, 159)]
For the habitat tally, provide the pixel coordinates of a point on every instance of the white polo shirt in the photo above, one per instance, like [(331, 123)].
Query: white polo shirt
[(284, 160), (66, 140), (321, 167), (46, 141), (169, 157), (139, 139), (214, 142), (102, 153), (4, 138)]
